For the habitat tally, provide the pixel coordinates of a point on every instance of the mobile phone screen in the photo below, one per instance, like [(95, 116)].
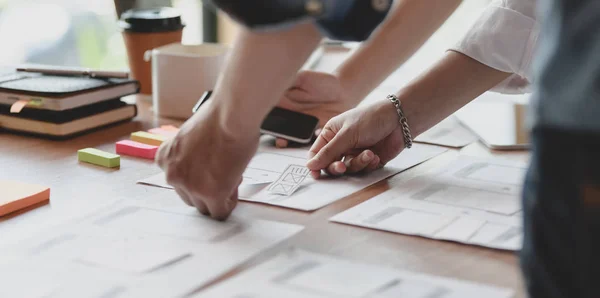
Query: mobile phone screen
[(282, 123), (291, 125)]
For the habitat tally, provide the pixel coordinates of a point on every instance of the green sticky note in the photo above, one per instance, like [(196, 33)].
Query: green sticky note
[(99, 157)]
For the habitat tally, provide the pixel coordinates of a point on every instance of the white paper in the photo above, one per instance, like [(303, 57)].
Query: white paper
[(472, 200), (269, 163), (146, 251), (301, 274), (289, 181), (448, 132), (314, 194)]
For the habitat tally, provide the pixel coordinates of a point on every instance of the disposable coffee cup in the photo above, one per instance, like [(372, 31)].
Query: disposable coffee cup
[(146, 29)]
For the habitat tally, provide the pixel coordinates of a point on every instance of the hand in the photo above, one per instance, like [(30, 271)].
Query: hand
[(318, 94), (362, 139), (204, 162)]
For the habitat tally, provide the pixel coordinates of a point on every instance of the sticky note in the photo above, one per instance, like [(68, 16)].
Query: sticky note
[(132, 148), (17, 195), (169, 128), (163, 132), (148, 138), (99, 157), (18, 106)]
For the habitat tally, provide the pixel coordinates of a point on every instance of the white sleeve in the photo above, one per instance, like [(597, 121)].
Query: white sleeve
[(504, 37)]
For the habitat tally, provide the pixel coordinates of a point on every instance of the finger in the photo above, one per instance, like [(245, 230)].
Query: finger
[(361, 161), (184, 197), (374, 165), (332, 150), (232, 201), (323, 138), (281, 143), (193, 201), (336, 169)]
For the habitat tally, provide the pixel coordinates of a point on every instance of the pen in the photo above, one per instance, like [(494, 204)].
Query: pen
[(77, 71)]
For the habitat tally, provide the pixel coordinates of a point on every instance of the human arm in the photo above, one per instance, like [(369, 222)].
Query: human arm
[(205, 160), (501, 41), (451, 83), (406, 28)]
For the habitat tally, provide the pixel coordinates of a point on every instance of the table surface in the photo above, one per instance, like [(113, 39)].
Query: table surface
[(54, 163)]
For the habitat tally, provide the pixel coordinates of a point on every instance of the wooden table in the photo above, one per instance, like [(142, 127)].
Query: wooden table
[(77, 186)]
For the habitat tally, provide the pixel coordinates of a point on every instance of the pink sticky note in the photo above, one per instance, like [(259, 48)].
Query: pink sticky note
[(163, 132), (132, 148), (169, 127)]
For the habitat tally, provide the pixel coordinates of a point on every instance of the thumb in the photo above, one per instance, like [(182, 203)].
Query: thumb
[(329, 147)]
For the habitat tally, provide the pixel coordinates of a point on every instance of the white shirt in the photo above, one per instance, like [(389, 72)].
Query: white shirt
[(504, 37)]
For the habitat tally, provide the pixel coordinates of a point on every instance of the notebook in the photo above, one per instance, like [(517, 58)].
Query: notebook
[(59, 93), (69, 123), (15, 196)]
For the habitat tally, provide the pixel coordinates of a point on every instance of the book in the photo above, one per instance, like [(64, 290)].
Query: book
[(69, 123), (59, 93)]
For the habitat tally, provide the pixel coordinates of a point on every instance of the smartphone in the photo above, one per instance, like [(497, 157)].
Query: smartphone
[(282, 123)]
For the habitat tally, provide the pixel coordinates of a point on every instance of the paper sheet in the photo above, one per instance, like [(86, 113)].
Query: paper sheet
[(269, 163), (448, 132), (472, 200), (289, 181), (301, 274), (314, 194), (146, 251)]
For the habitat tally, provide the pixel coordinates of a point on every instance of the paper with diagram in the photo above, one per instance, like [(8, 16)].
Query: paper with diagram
[(301, 274), (144, 251), (270, 163), (314, 194), (289, 181), (472, 200)]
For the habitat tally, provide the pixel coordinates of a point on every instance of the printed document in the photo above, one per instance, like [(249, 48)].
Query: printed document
[(270, 163), (301, 274), (472, 200), (141, 250)]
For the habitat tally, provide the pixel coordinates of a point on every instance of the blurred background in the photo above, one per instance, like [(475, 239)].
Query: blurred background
[(75, 32), (85, 33)]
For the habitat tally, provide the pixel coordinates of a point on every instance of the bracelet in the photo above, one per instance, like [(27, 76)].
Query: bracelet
[(403, 121)]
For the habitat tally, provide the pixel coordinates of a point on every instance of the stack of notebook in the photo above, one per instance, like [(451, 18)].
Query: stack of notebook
[(62, 106)]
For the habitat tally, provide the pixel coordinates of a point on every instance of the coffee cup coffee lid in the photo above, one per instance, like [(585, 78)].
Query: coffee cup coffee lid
[(159, 19)]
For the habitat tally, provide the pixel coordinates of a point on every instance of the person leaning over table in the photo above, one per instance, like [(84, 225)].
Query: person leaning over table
[(206, 159), (561, 194)]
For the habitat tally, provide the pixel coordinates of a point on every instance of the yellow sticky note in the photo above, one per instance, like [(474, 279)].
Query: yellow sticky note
[(16, 196), (148, 138)]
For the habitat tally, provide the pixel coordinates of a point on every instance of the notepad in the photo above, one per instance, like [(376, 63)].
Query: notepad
[(15, 196), (99, 157), (148, 138), (132, 148)]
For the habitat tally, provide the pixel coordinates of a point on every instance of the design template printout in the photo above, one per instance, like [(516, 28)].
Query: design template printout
[(269, 163), (134, 251), (300, 274), (474, 201)]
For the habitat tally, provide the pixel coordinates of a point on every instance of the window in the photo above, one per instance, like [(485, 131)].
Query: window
[(74, 32)]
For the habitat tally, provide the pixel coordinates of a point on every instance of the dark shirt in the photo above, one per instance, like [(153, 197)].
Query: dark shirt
[(348, 20), (567, 66)]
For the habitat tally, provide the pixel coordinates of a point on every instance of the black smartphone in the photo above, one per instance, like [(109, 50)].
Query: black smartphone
[(282, 123)]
